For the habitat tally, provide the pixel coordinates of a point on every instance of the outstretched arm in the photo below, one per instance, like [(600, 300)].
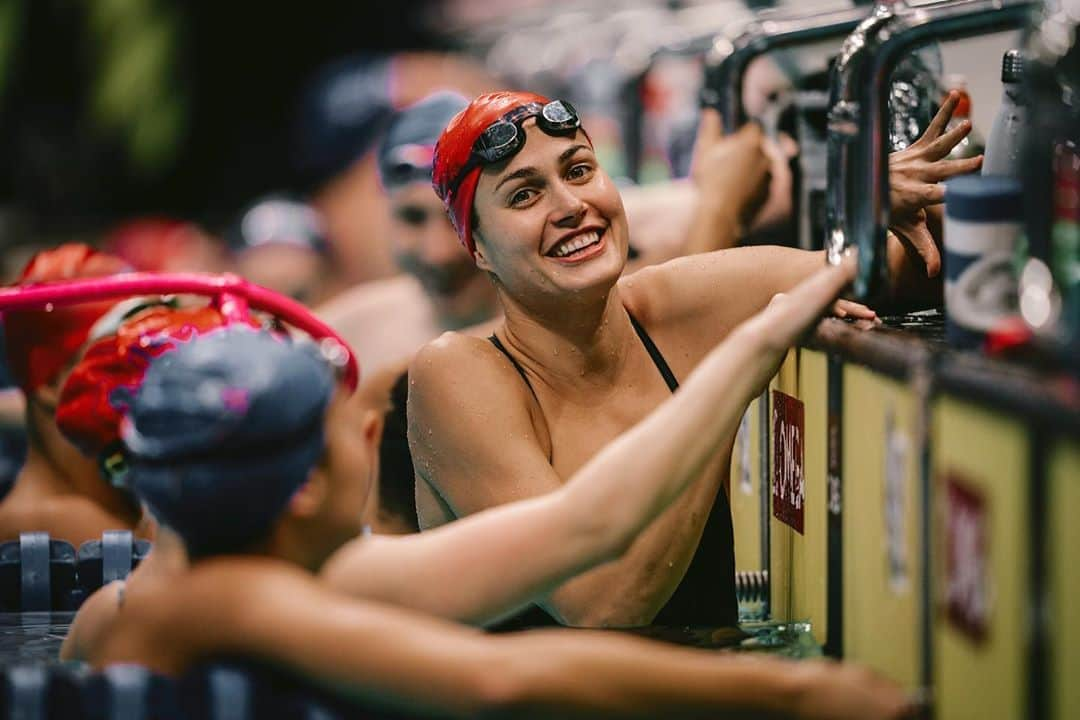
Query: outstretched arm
[(405, 660), (732, 177), (493, 562)]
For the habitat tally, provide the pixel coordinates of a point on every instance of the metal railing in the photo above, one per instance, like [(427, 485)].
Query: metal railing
[(858, 207)]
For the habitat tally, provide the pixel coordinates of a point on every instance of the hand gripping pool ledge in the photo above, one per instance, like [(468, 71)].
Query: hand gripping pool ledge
[(231, 294)]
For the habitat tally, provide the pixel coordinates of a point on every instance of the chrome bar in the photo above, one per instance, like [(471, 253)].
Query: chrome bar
[(858, 208), (731, 54)]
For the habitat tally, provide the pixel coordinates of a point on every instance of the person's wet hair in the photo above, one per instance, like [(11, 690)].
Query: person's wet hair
[(397, 492)]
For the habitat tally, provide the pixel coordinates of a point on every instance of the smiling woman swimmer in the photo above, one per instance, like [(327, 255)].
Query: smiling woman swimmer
[(230, 438), (583, 355)]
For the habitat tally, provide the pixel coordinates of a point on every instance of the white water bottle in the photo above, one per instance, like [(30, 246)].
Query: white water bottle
[(1007, 133)]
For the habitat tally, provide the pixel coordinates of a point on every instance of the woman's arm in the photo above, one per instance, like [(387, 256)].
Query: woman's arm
[(493, 562), (732, 176), (389, 656)]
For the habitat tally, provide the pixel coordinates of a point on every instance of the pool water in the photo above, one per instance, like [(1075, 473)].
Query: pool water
[(27, 638)]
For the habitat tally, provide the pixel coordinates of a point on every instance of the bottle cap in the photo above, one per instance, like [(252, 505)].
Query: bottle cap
[(1012, 66), (984, 198)]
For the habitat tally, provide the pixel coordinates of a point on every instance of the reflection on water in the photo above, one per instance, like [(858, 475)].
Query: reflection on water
[(32, 637), (928, 325), (788, 639)]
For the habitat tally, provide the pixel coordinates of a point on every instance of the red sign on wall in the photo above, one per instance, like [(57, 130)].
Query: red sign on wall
[(967, 585), (788, 481)]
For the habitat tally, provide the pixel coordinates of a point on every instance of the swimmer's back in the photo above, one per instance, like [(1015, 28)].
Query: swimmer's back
[(70, 517), (167, 622)]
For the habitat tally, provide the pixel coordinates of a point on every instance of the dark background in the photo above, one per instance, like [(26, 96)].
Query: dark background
[(233, 77)]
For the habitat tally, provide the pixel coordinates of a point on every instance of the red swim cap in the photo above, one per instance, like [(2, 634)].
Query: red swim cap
[(453, 151), (156, 244), (99, 388), (40, 343)]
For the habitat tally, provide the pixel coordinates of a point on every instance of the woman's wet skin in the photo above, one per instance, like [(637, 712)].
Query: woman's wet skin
[(567, 324)]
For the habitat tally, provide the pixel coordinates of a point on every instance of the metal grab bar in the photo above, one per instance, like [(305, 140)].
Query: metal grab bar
[(858, 208), (729, 56)]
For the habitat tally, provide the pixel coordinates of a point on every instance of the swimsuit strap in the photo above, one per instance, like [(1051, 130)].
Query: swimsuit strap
[(654, 353), (517, 366), (650, 347)]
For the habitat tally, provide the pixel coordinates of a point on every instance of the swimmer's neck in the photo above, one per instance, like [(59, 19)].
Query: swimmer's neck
[(291, 540), (167, 558), (56, 467), (576, 345)]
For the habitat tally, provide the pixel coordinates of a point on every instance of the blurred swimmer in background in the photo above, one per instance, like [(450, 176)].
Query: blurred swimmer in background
[(59, 490), (280, 243), (344, 110)]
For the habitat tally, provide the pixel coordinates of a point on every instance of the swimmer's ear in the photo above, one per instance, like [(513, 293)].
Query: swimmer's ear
[(479, 259), (48, 394), (371, 429), (308, 499)]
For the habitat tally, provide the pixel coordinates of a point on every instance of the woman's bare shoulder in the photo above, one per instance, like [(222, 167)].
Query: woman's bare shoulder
[(220, 601), (461, 365)]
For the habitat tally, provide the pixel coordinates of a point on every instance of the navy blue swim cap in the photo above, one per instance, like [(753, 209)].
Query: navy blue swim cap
[(223, 431), (407, 150), (343, 111)]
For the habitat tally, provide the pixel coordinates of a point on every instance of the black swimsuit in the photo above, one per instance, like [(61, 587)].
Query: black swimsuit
[(706, 595)]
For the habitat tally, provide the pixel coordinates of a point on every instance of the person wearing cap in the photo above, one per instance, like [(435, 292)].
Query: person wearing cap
[(279, 242), (257, 495), (343, 112), (100, 386), (444, 290), (59, 490), (582, 356), (165, 244)]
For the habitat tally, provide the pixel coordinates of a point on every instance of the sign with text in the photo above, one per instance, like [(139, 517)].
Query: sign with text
[(967, 583), (788, 481)]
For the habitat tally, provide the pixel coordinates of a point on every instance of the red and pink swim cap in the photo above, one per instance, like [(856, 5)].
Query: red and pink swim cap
[(96, 395), (41, 343), (455, 147)]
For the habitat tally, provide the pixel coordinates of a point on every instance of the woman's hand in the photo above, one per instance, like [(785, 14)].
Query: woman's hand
[(732, 169), (844, 691), (853, 310), (915, 176)]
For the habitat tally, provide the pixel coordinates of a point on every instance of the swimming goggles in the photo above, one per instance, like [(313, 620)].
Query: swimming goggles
[(505, 137), (231, 294)]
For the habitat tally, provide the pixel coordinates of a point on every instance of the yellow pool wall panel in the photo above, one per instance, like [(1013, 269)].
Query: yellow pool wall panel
[(1063, 504), (746, 490), (882, 606), (798, 567), (810, 560), (989, 451)]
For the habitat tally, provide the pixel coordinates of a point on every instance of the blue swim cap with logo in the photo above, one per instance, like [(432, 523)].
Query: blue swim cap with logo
[(222, 432)]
